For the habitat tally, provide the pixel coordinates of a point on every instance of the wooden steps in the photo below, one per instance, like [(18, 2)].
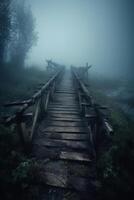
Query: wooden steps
[(64, 124), (65, 129), (62, 143), (63, 138)]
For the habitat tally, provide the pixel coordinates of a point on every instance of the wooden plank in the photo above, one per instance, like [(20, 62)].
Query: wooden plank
[(65, 130), (64, 181), (70, 168), (75, 156), (62, 143), (70, 116), (64, 92), (64, 105), (65, 119), (65, 123), (65, 95), (65, 136), (64, 112), (67, 98), (59, 107), (63, 109), (57, 155)]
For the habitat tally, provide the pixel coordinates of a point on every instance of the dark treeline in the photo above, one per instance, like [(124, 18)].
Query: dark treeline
[(17, 33)]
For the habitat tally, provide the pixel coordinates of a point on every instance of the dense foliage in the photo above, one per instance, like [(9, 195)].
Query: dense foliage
[(17, 31), (4, 27), (115, 167)]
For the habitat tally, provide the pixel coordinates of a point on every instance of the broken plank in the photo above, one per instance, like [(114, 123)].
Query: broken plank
[(75, 156), (64, 181)]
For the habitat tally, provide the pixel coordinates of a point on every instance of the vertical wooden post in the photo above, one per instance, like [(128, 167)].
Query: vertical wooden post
[(36, 115), (47, 100)]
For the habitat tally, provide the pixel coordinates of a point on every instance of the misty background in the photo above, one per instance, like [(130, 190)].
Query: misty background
[(74, 32)]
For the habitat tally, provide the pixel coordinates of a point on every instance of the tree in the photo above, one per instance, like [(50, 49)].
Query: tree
[(4, 27), (23, 33)]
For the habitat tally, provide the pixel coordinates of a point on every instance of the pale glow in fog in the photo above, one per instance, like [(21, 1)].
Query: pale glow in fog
[(63, 32), (80, 31)]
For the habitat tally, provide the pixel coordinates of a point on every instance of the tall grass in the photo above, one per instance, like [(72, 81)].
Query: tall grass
[(115, 167), (19, 84)]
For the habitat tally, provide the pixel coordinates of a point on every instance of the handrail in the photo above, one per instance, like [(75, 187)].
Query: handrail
[(83, 87), (38, 102), (31, 101), (99, 115)]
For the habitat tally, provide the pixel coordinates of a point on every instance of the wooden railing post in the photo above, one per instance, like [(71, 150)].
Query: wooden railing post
[(35, 118), (97, 121), (39, 101)]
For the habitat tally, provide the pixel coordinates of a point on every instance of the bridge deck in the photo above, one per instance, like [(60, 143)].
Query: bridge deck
[(62, 140)]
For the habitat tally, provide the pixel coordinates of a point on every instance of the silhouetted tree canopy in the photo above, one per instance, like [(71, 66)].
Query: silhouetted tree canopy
[(4, 26), (22, 32), (17, 31)]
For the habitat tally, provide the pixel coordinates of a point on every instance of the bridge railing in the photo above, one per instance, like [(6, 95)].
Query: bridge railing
[(97, 116), (30, 111)]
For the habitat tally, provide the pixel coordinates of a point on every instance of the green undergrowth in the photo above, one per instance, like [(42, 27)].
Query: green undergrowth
[(18, 171), (115, 166)]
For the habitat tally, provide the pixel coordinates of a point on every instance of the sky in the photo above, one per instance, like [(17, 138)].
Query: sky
[(73, 32)]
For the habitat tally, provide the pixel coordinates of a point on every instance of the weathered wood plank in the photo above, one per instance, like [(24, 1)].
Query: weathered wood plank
[(65, 136), (63, 181), (80, 156), (78, 169), (67, 98), (70, 116), (65, 123), (59, 106), (64, 103), (65, 119), (65, 130), (62, 143), (65, 92), (75, 156), (64, 112)]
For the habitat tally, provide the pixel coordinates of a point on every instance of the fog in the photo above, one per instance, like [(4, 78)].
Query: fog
[(73, 32)]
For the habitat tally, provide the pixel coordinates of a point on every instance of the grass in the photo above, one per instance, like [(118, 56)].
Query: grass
[(18, 172), (115, 167), (19, 84)]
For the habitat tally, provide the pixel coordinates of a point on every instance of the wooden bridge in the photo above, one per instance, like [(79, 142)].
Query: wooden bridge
[(64, 126)]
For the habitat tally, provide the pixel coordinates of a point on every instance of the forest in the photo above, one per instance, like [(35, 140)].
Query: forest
[(24, 71)]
